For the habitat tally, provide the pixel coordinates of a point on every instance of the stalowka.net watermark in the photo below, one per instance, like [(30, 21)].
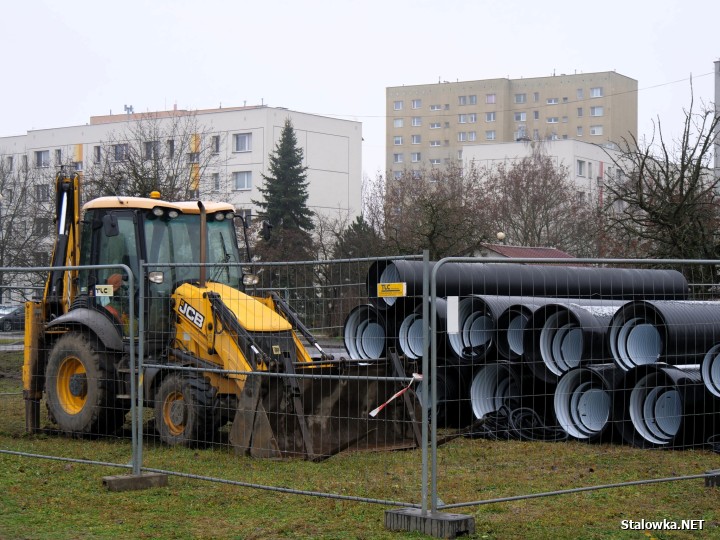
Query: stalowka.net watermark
[(662, 525)]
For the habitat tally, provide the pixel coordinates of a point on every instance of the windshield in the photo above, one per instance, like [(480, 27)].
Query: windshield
[(174, 245)]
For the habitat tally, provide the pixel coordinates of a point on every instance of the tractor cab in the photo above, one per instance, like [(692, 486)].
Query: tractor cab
[(167, 236)]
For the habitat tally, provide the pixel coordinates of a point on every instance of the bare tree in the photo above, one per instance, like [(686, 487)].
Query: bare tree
[(663, 200), (170, 154), (26, 224), (441, 209), (534, 203)]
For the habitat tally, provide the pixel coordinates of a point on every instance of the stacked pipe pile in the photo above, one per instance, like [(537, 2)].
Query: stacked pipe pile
[(598, 354)]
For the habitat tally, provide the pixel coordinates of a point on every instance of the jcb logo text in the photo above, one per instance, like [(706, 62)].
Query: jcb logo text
[(193, 315)]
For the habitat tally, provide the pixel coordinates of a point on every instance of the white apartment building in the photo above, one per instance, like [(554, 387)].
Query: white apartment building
[(588, 165), (243, 138)]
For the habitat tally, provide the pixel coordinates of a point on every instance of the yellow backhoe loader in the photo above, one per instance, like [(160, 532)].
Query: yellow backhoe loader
[(243, 357)]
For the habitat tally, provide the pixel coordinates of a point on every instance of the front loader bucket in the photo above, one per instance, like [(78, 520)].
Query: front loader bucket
[(316, 411)]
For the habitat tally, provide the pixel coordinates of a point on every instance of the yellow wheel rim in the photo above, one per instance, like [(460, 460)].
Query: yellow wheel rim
[(174, 413), (70, 388)]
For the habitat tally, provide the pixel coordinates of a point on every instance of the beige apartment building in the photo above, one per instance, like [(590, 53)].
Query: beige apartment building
[(429, 125)]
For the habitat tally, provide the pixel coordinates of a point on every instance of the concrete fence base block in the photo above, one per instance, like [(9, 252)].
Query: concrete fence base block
[(131, 482), (713, 479), (437, 524)]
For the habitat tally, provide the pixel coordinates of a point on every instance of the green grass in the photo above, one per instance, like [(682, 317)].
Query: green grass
[(42, 499)]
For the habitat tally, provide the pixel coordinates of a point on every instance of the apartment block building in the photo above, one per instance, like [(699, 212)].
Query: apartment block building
[(241, 137), (431, 124)]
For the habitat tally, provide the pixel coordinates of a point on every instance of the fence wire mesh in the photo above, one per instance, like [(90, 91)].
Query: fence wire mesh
[(533, 366)]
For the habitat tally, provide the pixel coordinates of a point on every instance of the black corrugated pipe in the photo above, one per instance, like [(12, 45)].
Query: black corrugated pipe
[(658, 405), (480, 335), (584, 400), (710, 370), (454, 408), (560, 336), (409, 332), (463, 279), (365, 333), (674, 332), (511, 325)]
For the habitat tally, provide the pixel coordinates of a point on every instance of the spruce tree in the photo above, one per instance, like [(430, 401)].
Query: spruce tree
[(284, 203), (284, 191)]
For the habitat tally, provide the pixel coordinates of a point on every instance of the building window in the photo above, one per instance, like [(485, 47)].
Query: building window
[(42, 226), (552, 120), (462, 136), (520, 98), (434, 143), (397, 158), (58, 156), (462, 100), (436, 107), (215, 144), (564, 119), (460, 154), (590, 169), (397, 175), (397, 106), (242, 142), (596, 92), (42, 192), (435, 125), (415, 157), (193, 157), (536, 115), (536, 96), (397, 140), (398, 122), (417, 121), (490, 135), (415, 139), (596, 130), (97, 154), (242, 180), (472, 100), (462, 118), (490, 98), (435, 161), (42, 158), (24, 161), (490, 116), (77, 166), (552, 101), (596, 111), (536, 134), (520, 116), (215, 177), (151, 150), (120, 152), (9, 163), (579, 93), (447, 124), (472, 118), (579, 131), (417, 103), (171, 148), (580, 112), (580, 168), (472, 135)]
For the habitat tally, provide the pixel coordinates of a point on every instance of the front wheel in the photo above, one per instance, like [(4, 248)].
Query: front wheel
[(81, 388), (186, 410)]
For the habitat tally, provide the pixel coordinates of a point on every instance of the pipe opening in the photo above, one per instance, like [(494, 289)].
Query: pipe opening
[(515, 329), (582, 406), (655, 410), (491, 387), (710, 370)]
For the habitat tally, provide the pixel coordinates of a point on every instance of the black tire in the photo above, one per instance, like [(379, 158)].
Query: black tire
[(81, 388), (187, 411), (7, 326)]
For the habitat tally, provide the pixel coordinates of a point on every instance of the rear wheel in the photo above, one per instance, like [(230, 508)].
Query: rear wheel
[(81, 387), (186, 410)]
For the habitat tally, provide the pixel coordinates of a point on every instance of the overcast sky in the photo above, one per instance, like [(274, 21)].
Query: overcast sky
[(67, 61)]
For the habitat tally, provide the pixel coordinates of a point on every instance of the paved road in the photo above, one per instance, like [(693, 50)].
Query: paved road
[(17, 343)]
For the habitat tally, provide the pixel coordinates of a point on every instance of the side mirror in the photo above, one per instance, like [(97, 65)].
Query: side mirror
[(110, 225)]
